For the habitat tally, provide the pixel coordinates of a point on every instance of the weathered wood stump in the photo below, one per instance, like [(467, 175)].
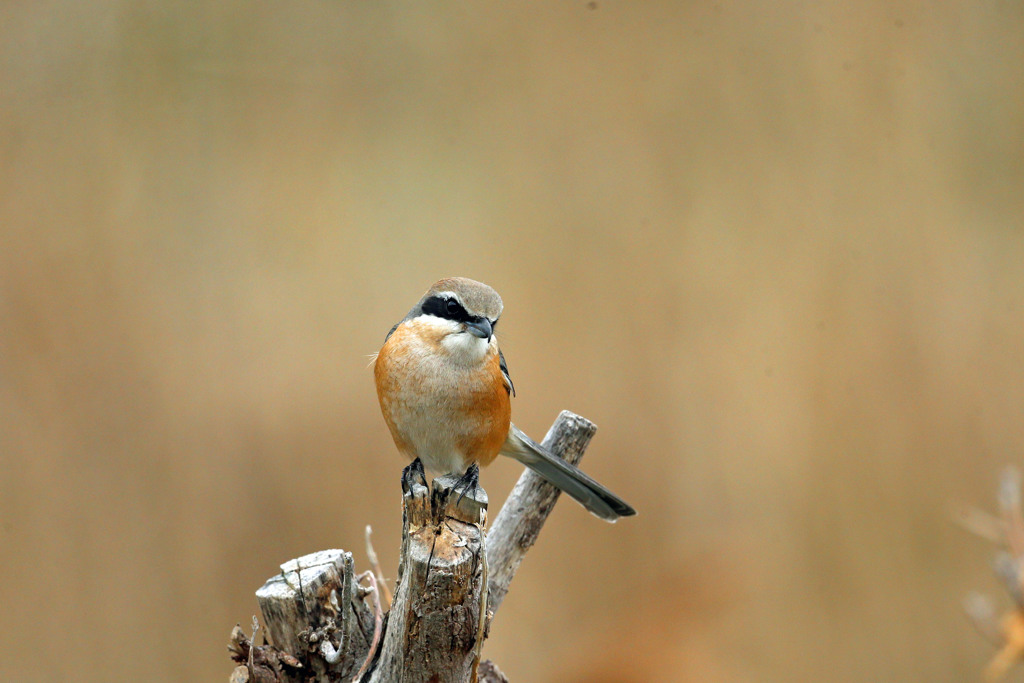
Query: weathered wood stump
[(435, 623), (318, 622), (451, 580)]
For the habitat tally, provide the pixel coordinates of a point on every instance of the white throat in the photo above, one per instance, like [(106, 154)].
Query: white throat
[(465, 347)]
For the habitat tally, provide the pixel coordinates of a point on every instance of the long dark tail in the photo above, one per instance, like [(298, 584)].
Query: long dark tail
[(566, 477)]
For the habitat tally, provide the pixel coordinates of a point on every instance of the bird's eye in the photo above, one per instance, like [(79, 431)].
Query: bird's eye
[(452, 306)]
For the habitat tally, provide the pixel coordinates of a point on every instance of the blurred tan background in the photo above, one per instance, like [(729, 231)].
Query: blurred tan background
[(774, 250)]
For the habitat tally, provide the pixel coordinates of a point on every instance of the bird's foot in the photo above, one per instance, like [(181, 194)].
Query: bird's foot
[(470, 481), (413, 474)]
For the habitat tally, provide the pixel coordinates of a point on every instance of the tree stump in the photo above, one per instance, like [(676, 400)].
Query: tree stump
[(320, 627), (436, 620), (451, 580)]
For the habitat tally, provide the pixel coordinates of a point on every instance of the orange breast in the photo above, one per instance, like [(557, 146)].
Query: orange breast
[(493, 408), (448, 414)]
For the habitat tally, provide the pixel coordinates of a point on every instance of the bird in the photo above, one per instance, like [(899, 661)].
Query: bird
[(445, 393)]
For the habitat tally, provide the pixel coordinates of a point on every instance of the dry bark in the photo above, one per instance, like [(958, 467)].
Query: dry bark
[(434, 623)]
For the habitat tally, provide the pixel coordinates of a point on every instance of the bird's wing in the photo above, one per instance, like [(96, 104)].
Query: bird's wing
[(509, 387)]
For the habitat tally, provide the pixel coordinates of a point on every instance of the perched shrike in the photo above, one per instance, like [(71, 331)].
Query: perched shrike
[(445, 393)]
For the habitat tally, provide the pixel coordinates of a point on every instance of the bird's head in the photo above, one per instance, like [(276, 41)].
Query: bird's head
[(463, 311)]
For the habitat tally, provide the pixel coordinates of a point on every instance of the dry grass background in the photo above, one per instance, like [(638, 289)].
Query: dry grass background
[(773, 249)]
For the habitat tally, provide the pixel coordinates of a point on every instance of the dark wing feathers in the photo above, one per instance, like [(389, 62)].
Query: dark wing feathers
[(511, 388)]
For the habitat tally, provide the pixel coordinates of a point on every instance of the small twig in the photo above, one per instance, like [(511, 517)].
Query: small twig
[(382, 585), (252, 648), (378, 617), (331, 654)]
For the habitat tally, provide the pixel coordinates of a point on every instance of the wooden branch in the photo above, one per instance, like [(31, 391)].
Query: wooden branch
[(449, 586), (519, 522)]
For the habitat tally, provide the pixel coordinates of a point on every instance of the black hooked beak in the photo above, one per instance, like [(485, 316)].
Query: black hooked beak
[(480, 327)]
